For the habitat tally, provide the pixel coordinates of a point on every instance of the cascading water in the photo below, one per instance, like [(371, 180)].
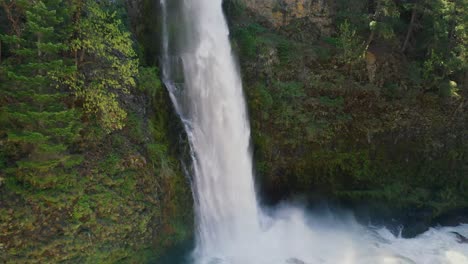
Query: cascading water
[(200, 73), (211, 102)]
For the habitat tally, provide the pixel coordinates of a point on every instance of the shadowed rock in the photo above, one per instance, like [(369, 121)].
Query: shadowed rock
[(294, 261), (460, 238)]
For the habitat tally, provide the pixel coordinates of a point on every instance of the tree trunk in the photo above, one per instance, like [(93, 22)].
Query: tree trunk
[(15, 24), (370, 39), (410, 29), (39, 40), (375, 17), (82, 55), (76, 58)]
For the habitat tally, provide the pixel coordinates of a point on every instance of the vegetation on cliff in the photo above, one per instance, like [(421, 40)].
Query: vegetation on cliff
[(88, 172), (362, 103), (371, 112)]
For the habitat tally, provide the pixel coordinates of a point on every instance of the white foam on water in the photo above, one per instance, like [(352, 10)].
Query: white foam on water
[(292, 237)]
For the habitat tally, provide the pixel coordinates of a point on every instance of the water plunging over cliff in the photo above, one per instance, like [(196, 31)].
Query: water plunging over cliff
[(209, 99), (201, 75)]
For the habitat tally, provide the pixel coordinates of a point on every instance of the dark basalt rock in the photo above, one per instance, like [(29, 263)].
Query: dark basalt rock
[(460, 238), (294, 261), (452, 218)]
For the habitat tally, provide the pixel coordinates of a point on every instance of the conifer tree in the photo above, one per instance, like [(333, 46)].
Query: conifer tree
[(37, 125)]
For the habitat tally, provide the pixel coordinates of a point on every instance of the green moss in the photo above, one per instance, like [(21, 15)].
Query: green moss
[(320, 127), (82, 208)]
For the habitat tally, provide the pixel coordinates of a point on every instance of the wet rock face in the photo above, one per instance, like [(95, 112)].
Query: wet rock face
[(135, 12), (282, 12)]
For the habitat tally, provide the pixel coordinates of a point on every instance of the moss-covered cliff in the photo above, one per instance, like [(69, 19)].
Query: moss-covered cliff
[(356, 113), (89, 150)]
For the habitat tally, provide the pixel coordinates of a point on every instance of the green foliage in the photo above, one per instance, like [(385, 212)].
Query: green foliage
[(38, 125), (449, 89), (107, 63), (248, 39), (445, 40), (287, 51), (351, 46), (288, 91), (75, 188), (385, 19), (148, 81), (261, 98), (82, 208), (433, 33), (357, 14), (234, 9), (319, 127)]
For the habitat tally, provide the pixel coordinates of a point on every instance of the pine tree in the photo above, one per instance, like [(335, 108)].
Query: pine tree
[(444, 40), (37, 125)]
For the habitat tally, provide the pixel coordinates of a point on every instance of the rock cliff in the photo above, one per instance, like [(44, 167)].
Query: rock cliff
[(281, 13)]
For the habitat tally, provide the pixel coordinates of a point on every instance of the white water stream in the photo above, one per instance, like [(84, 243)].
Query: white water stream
[(201, 75)]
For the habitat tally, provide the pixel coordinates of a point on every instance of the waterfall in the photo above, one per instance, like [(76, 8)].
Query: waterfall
[(209, 98), (203, 81)]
